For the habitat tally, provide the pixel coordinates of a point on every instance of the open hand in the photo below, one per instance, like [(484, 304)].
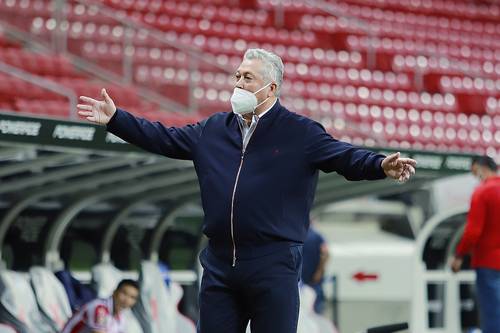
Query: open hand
[(399, 168), (99, 112)]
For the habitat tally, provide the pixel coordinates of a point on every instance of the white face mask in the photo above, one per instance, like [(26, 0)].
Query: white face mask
[(243, 101)]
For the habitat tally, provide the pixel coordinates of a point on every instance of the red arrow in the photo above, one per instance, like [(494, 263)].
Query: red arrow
[(362, 277)]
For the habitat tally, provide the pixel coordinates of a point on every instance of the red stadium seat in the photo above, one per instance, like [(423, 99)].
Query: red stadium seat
[(429, 79)]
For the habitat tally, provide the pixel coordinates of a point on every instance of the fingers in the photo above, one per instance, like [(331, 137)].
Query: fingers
[(84, 110), (406, 174), (409, 161), (105, 96), (404, 177), (391, 159), (411, 169), (85, 113), (395, 158), (88, 100), (84, 107), (89, 115), (408, 171)]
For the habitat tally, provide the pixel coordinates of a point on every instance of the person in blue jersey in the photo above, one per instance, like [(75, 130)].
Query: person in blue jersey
[(257, 167)]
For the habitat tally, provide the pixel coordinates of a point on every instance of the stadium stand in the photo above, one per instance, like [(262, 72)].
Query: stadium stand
[(400, 74), (342, 58)]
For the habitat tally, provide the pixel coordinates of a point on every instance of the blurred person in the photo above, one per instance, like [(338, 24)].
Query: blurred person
[(105, 315), (257, 167), (481, 239), (315, 257)]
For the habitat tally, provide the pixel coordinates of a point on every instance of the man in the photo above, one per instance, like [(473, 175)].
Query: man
[(105, 315), (481, 238), (257, 167), (313, 269)]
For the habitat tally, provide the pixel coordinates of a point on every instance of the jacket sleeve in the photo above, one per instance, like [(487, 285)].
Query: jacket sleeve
[(328, 154), (474, 226), (154, 137)]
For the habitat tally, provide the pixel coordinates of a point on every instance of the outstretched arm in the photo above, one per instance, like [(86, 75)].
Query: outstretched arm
[(354, 163), (151, 136)]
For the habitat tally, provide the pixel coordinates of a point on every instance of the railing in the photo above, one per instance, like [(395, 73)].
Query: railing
[(106, 43), (388, 328), (334, 9), (131, 35), (446, 304), (44, 84)]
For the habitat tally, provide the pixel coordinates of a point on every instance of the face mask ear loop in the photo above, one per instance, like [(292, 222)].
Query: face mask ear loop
[(267, 85), (260, 104)]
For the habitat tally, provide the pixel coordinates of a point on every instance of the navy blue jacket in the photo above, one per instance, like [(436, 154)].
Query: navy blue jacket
[(278, 174)]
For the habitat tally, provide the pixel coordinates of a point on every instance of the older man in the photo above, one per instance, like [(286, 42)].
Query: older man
[(257, 167)]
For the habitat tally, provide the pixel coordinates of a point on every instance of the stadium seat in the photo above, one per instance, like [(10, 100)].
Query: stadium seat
[(51, 296), (420, 50), (307, 297), (18, 306), (157, 305), (6, 329), (183, 323), (105, 278), (306, 322), (78, 293), (159, 302)]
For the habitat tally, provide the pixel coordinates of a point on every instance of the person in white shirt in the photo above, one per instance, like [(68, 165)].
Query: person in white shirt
[(105, 315)]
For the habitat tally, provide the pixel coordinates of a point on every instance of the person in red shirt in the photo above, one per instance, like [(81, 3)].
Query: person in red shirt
[(105, 315), (481, 239)]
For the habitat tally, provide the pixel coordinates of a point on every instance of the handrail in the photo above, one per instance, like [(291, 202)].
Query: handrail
[(159, 36), (109, 76), (388, 328), (330, 8), (195, 56), (156, 33), (58, 41), (43, 83), (88, 67), (419, 319), (359, 23)]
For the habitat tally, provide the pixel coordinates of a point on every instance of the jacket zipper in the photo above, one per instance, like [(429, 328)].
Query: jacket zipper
[(232, 205), (251, 131)]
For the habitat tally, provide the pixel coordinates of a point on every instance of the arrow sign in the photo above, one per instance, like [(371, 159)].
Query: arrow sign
[(363, 277)]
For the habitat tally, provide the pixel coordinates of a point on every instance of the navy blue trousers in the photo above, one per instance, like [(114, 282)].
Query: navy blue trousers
[(263, 290)]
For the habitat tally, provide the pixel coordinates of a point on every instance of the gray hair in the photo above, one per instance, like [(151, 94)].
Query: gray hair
[(273, 65)]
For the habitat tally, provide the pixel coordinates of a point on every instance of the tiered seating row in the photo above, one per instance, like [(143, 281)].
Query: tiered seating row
[(435, 84)]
